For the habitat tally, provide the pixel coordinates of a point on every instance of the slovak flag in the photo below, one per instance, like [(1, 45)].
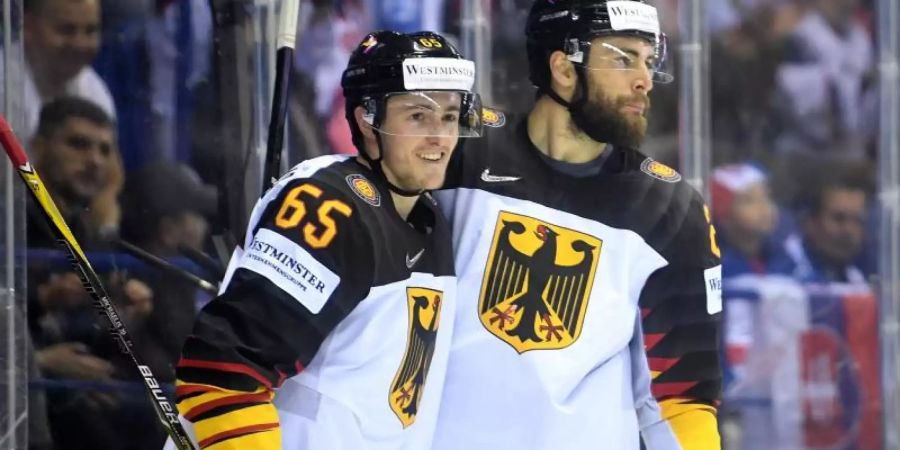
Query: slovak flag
[(803, 362)]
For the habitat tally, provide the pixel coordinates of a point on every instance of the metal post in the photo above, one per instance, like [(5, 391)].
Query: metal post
[(13, 430), (9, 239), (476, 43), (693, 59), (236, 83), (889, 199)]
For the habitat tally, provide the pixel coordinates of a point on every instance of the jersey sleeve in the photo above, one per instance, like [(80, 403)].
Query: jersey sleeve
[(680, 313), (306, 264)]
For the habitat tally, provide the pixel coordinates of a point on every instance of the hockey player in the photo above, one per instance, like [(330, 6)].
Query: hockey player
[(333, 331), (589, 276)]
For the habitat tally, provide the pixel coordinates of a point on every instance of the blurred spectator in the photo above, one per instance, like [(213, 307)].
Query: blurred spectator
[(745, 217), (325, 45), (732, 14), (825, 84), (406, 16), (155, 65), (74, 150), (832, 225), (801, 353), (76, 154), (117, 12), (166, 208), (746, 48), (61, 39), (307, 135), (332, 31)]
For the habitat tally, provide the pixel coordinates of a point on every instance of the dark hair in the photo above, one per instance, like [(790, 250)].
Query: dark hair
[(34, 6), (837, 174), (55, 113)]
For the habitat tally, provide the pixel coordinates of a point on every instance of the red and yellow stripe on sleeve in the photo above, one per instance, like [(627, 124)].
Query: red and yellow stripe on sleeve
[(685, 379), (227, 419)]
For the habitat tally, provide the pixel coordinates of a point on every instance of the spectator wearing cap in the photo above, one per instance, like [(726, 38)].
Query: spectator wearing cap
[(746, 219), (745, 216), (166, 207)]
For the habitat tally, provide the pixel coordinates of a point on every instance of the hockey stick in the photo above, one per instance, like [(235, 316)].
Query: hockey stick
[(166, 413), (287, 37), (166, 266), (203, 260)]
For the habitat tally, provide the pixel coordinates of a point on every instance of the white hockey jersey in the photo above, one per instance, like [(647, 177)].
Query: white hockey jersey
[(335, 323), (588, 307)]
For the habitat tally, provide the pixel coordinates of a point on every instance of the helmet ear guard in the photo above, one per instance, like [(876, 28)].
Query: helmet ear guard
[(369, 115), (573, 50)]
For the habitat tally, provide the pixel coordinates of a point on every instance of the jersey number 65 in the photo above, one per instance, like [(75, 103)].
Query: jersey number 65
[(293, 211)]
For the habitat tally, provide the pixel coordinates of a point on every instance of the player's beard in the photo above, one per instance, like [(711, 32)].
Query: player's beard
[(602, 119)]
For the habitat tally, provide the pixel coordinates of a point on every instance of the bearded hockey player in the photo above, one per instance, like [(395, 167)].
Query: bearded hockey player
[(333, 331), (589, 277)]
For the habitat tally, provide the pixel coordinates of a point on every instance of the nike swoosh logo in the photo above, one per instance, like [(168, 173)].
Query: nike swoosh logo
[(410, 262), (487, 177)]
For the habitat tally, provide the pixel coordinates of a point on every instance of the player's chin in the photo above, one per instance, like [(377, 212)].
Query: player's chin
[(433, 184), (431, 179), (635, 119)]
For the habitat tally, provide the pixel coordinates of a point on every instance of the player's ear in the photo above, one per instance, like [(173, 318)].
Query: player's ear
[(562, 74)]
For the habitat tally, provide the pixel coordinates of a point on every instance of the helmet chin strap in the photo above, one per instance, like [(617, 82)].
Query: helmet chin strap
[(556, 98), (580, 94), (379, 171)]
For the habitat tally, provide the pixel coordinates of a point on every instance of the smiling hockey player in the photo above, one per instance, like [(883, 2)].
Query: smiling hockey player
[(333, 331)]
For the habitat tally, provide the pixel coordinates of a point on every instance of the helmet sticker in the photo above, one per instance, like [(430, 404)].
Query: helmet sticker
[(630, 15), (438, 74), (369, 43)]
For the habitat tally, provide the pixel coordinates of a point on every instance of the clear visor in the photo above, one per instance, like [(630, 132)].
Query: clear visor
[(630, 58), (432, 114)]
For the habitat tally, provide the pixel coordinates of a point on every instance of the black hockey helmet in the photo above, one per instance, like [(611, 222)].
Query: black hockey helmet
[(570, 25), (387, 63)]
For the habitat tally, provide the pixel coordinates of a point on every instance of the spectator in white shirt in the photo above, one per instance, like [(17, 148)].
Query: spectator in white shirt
[(62, 37)]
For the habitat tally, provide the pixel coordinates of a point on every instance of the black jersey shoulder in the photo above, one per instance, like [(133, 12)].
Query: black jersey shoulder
[(631, 192), (420, 244)]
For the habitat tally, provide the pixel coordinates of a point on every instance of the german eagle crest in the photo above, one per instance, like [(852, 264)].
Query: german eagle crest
[(537, 283), (424, 307)]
